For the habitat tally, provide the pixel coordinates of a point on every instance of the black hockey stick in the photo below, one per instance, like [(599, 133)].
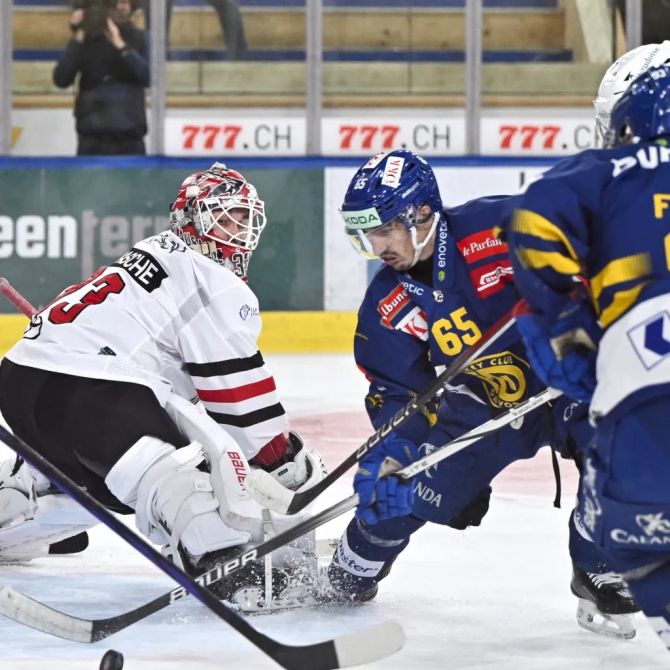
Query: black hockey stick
[(30, 612), (352, 649), (285, 501)]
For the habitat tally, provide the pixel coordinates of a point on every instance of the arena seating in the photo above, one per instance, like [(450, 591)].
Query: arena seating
[(413, 51)]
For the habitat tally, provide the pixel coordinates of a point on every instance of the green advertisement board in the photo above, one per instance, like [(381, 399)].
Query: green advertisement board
[(58, 224)]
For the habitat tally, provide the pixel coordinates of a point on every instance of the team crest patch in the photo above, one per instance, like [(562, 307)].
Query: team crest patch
[(503, 377), (481, 245), (492, 277)]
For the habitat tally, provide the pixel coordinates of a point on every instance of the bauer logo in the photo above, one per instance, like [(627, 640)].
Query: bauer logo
[(392, 171), (481, 245)]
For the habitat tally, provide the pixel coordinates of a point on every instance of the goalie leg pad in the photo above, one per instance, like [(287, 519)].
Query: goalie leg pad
[(229, 471), (28, 527), (174, 501)]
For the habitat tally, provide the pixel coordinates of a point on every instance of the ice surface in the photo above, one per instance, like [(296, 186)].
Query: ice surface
[(491, 598)]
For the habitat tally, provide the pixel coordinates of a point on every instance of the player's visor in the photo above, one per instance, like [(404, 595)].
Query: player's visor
[(357, 224)]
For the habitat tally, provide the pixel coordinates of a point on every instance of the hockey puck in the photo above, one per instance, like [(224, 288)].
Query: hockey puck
[(112, 660)]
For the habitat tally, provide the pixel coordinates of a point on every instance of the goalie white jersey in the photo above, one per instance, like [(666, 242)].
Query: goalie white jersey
[(169, 318)]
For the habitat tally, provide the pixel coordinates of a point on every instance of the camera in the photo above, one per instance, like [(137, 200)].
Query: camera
[(96, 12)]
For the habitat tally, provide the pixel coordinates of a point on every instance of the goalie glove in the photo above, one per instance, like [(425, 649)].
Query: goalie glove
[(290, 463)]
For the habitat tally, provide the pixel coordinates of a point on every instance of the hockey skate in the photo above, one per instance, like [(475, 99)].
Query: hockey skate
[(35, 519), (302, 583), (606, 606)]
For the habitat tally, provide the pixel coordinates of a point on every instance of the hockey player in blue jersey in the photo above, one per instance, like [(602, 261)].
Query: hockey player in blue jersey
[(447, 277), (605, 215)]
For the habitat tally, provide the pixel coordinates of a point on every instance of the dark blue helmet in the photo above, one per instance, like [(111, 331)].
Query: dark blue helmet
[(643, 111), (389, 186)]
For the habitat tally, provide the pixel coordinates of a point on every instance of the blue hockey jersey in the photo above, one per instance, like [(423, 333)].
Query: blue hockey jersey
[(605, 215), (407, 327)]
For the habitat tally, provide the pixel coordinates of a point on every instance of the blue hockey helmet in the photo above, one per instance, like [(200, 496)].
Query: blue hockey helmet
[(643, 111), (389, 186)]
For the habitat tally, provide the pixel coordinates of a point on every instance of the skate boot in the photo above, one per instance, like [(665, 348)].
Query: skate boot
[(343, 587), (246, 587), (605, 603), (35, 518)]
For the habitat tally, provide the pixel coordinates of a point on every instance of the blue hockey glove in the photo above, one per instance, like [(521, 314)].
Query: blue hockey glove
[(563, 353), (383, 497)]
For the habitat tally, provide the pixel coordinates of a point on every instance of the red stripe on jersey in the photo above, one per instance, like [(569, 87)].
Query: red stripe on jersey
[(238, 393)]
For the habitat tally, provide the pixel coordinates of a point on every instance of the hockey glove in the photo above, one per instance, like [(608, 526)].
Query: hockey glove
[(563, 354), (287, 460), (380, 495)]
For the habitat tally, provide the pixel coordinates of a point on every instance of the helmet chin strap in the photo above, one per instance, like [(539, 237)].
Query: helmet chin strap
[(419, 247)]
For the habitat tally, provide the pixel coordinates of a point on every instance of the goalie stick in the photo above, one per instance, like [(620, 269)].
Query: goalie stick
[(296, 501), (16, 298), (30, 612), (343, 651)]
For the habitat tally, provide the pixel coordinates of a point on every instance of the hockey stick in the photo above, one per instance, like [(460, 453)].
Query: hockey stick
[(24, 609), (292, 502), (352, 649), (16, 298)]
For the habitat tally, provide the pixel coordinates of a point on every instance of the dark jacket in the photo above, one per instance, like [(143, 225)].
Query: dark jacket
[(110, 96)]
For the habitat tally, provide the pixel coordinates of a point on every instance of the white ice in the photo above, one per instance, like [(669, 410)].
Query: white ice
[(491, 598)]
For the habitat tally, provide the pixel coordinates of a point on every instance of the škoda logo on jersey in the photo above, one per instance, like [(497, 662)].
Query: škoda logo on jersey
[(503, 377)]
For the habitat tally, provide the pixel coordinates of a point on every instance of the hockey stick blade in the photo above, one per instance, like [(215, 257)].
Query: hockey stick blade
[(327, 655), (290, 502), (364, 646), (37, 615)]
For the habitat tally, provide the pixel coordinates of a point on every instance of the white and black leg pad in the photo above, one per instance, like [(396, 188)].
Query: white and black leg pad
[(229, 471), (28, 525), (174, 502), (229, 467)]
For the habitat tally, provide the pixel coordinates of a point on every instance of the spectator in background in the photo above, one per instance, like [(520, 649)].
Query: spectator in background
[(109, 54), (230, 19)]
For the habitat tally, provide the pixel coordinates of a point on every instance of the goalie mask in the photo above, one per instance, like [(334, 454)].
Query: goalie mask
[(218, 213), (391, 188), (619, 77)]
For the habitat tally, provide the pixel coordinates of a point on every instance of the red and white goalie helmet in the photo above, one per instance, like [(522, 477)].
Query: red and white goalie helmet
[(219, 214)]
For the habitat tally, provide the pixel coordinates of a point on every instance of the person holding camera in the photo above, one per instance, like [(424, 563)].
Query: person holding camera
[(109, 54)]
